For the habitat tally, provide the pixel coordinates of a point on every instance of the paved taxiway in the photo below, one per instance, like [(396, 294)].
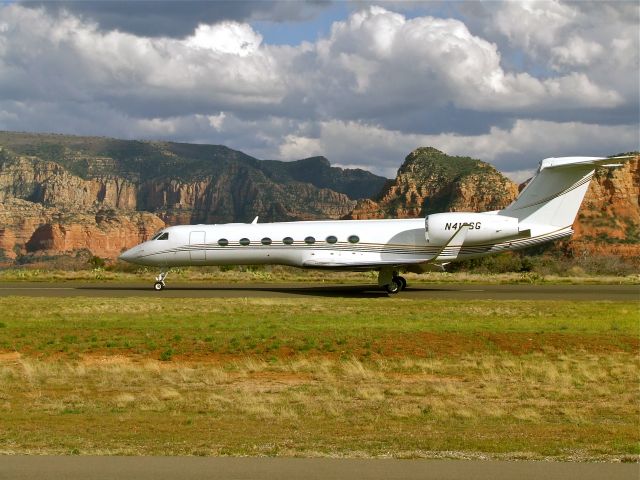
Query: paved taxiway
[(186, 468), (418, 291)]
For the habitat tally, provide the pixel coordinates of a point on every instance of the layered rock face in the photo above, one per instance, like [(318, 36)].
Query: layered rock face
[(46, 209), (430, 181), (27, 227), (50, 184), (609, 220), (239, 194), (60, 194)]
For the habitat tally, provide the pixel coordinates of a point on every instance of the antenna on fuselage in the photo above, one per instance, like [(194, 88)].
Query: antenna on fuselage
[(255, 220)]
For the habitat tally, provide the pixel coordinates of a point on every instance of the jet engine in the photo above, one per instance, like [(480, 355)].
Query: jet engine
[(483, 227)]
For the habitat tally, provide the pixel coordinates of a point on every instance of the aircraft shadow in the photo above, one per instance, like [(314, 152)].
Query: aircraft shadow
[(344, 291)]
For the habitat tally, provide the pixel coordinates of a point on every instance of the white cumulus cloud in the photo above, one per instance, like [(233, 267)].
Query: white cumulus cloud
[(376, 86), (226, 37)]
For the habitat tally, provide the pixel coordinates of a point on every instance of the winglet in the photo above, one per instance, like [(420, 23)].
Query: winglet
[(451, 249)]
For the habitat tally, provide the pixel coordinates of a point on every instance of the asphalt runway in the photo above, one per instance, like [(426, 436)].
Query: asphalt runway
[(187, 468), (278, 290)]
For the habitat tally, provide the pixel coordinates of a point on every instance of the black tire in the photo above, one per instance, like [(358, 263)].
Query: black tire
[(158, 286), (394, 287), (403, 282)]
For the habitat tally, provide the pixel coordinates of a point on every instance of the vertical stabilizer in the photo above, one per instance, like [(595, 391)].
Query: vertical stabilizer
[(554, 195)]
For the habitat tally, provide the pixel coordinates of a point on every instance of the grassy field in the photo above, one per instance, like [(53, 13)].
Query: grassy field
[(326, 377)]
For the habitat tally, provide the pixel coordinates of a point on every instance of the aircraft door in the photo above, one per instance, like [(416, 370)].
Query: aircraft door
[(197, 239)]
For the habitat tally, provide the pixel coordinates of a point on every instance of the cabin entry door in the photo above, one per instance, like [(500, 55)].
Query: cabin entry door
[(197, 250)]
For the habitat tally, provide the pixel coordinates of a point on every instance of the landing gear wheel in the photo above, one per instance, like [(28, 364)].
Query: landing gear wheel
[(394, 287), (159, 285), (403, 282)]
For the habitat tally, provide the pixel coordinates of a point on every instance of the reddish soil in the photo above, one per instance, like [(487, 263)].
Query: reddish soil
[(415, 345)]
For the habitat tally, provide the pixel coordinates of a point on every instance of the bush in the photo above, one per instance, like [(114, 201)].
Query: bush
[(547, 264), (605, 265), (97, 262), (500, 263), (166, 355)]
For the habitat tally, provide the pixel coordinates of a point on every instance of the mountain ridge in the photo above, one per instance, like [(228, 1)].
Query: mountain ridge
[(105, 195), (137, 160)]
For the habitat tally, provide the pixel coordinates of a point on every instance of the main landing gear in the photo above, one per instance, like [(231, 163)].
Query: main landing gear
[(390, 281), (159, 285)]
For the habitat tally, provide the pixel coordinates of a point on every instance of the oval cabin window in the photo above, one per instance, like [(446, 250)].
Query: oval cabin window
[(354, 239), (244, 241), (223, 242), (331, 239), (310, 240), (287, 240), (266, 241)]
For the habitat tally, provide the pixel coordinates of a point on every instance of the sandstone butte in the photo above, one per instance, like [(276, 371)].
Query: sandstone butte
[(47, 210)]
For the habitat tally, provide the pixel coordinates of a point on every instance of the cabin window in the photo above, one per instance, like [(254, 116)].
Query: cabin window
[(266, 241), (354, 239), (287, 240), (244, 241), (310, 240), (331, 239), (223, 242), (164, 236)]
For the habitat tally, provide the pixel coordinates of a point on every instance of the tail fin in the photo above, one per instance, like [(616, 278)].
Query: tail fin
[(554, 195)]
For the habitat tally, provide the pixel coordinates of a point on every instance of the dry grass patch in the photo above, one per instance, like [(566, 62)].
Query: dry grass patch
[(494, 404)]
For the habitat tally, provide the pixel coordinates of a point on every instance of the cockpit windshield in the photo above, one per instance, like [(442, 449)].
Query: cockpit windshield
[(161, 236)]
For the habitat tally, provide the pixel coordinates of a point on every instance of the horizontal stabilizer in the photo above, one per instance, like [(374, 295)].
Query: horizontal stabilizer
[(563, 162)]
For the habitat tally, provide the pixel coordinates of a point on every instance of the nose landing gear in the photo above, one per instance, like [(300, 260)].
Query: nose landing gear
[(159, 285)]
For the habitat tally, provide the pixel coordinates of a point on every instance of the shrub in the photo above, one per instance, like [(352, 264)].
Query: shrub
[(97, 262), (501, 263), (166, 355)]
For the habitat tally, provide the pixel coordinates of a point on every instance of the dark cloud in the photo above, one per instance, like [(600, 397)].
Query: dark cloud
[(155, 18)]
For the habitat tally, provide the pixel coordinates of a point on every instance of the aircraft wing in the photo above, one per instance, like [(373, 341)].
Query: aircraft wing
[(359, 265), (447, 253)]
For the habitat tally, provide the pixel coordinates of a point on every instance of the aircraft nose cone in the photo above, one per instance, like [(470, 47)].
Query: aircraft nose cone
[(129, 255)]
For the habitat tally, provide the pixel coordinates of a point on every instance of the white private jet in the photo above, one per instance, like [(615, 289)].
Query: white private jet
[(545, 210)]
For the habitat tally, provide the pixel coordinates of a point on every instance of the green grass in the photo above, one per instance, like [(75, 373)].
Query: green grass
[(270, 326), (281, 274), (348, 377)]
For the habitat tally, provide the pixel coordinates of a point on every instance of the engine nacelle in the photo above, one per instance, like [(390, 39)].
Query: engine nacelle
[(483, 227)]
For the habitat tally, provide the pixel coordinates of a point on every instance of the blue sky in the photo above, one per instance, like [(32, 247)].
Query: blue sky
[(294, 32), (362, 83)]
